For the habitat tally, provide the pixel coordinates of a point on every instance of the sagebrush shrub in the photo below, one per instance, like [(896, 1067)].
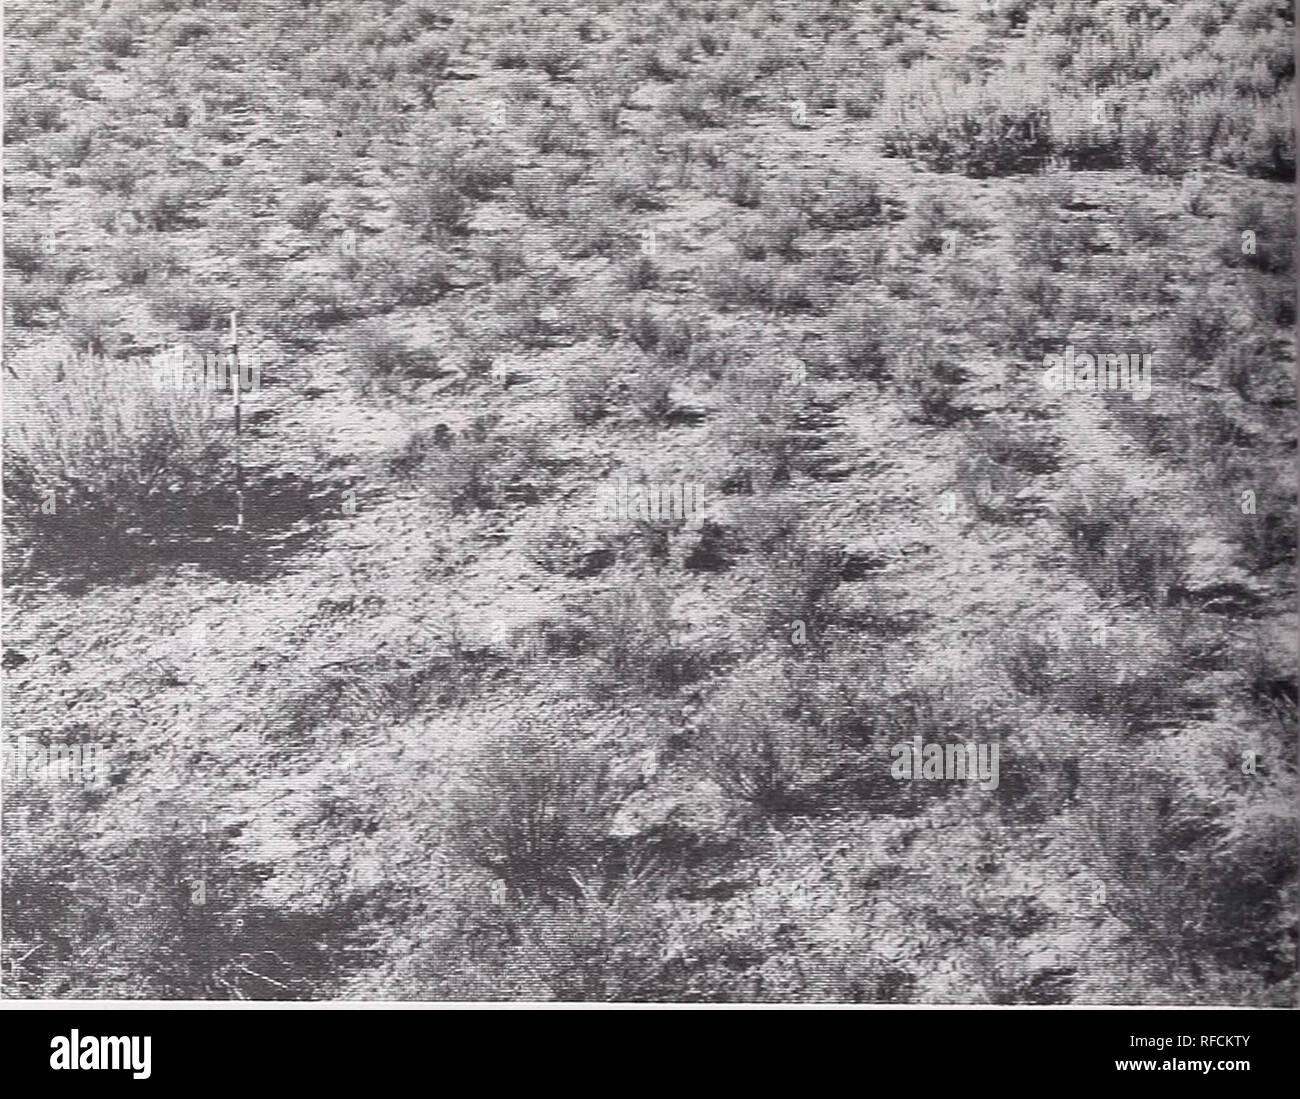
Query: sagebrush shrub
[(861, 98), (633, 636), (693, 102), (190, 306), (118, 34), (90, 326), (136, 261), (743, 186), (764, 284), (997, 127), (651, 395), (426, 64), (73, 149), (641, 272), (542, 192), (478, 468), (1197, 882), (933, 218), (29, 115), (554, 57), (380, 361), (762, 740), (506, 259), (1259, 237), (113, 176), (434, 208), (1267, 536), (107, 453), (847, 201), (29, 302), (775, 236), (634, 187), (477, 171), (27, 248), (295, 309), (88, 939), (306, 212), (929, 380), (552, 131), (1124, 548), (534, 809), (1046, 234), (608, 90), (1199, 331), (864, 339), (532, 312), (512, 53), (164, 205), (766, 424), (1106, 672), (796, 594), (999, 463), (393, 276), (589, 390), (596, 950)]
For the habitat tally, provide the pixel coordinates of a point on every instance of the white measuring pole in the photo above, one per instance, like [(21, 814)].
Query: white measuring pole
[(235, 387)]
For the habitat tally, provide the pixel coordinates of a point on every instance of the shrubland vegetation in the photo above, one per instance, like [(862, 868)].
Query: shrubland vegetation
[(453, 736)]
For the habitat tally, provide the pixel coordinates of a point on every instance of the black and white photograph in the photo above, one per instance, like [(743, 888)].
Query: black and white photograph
[(664, 502)]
